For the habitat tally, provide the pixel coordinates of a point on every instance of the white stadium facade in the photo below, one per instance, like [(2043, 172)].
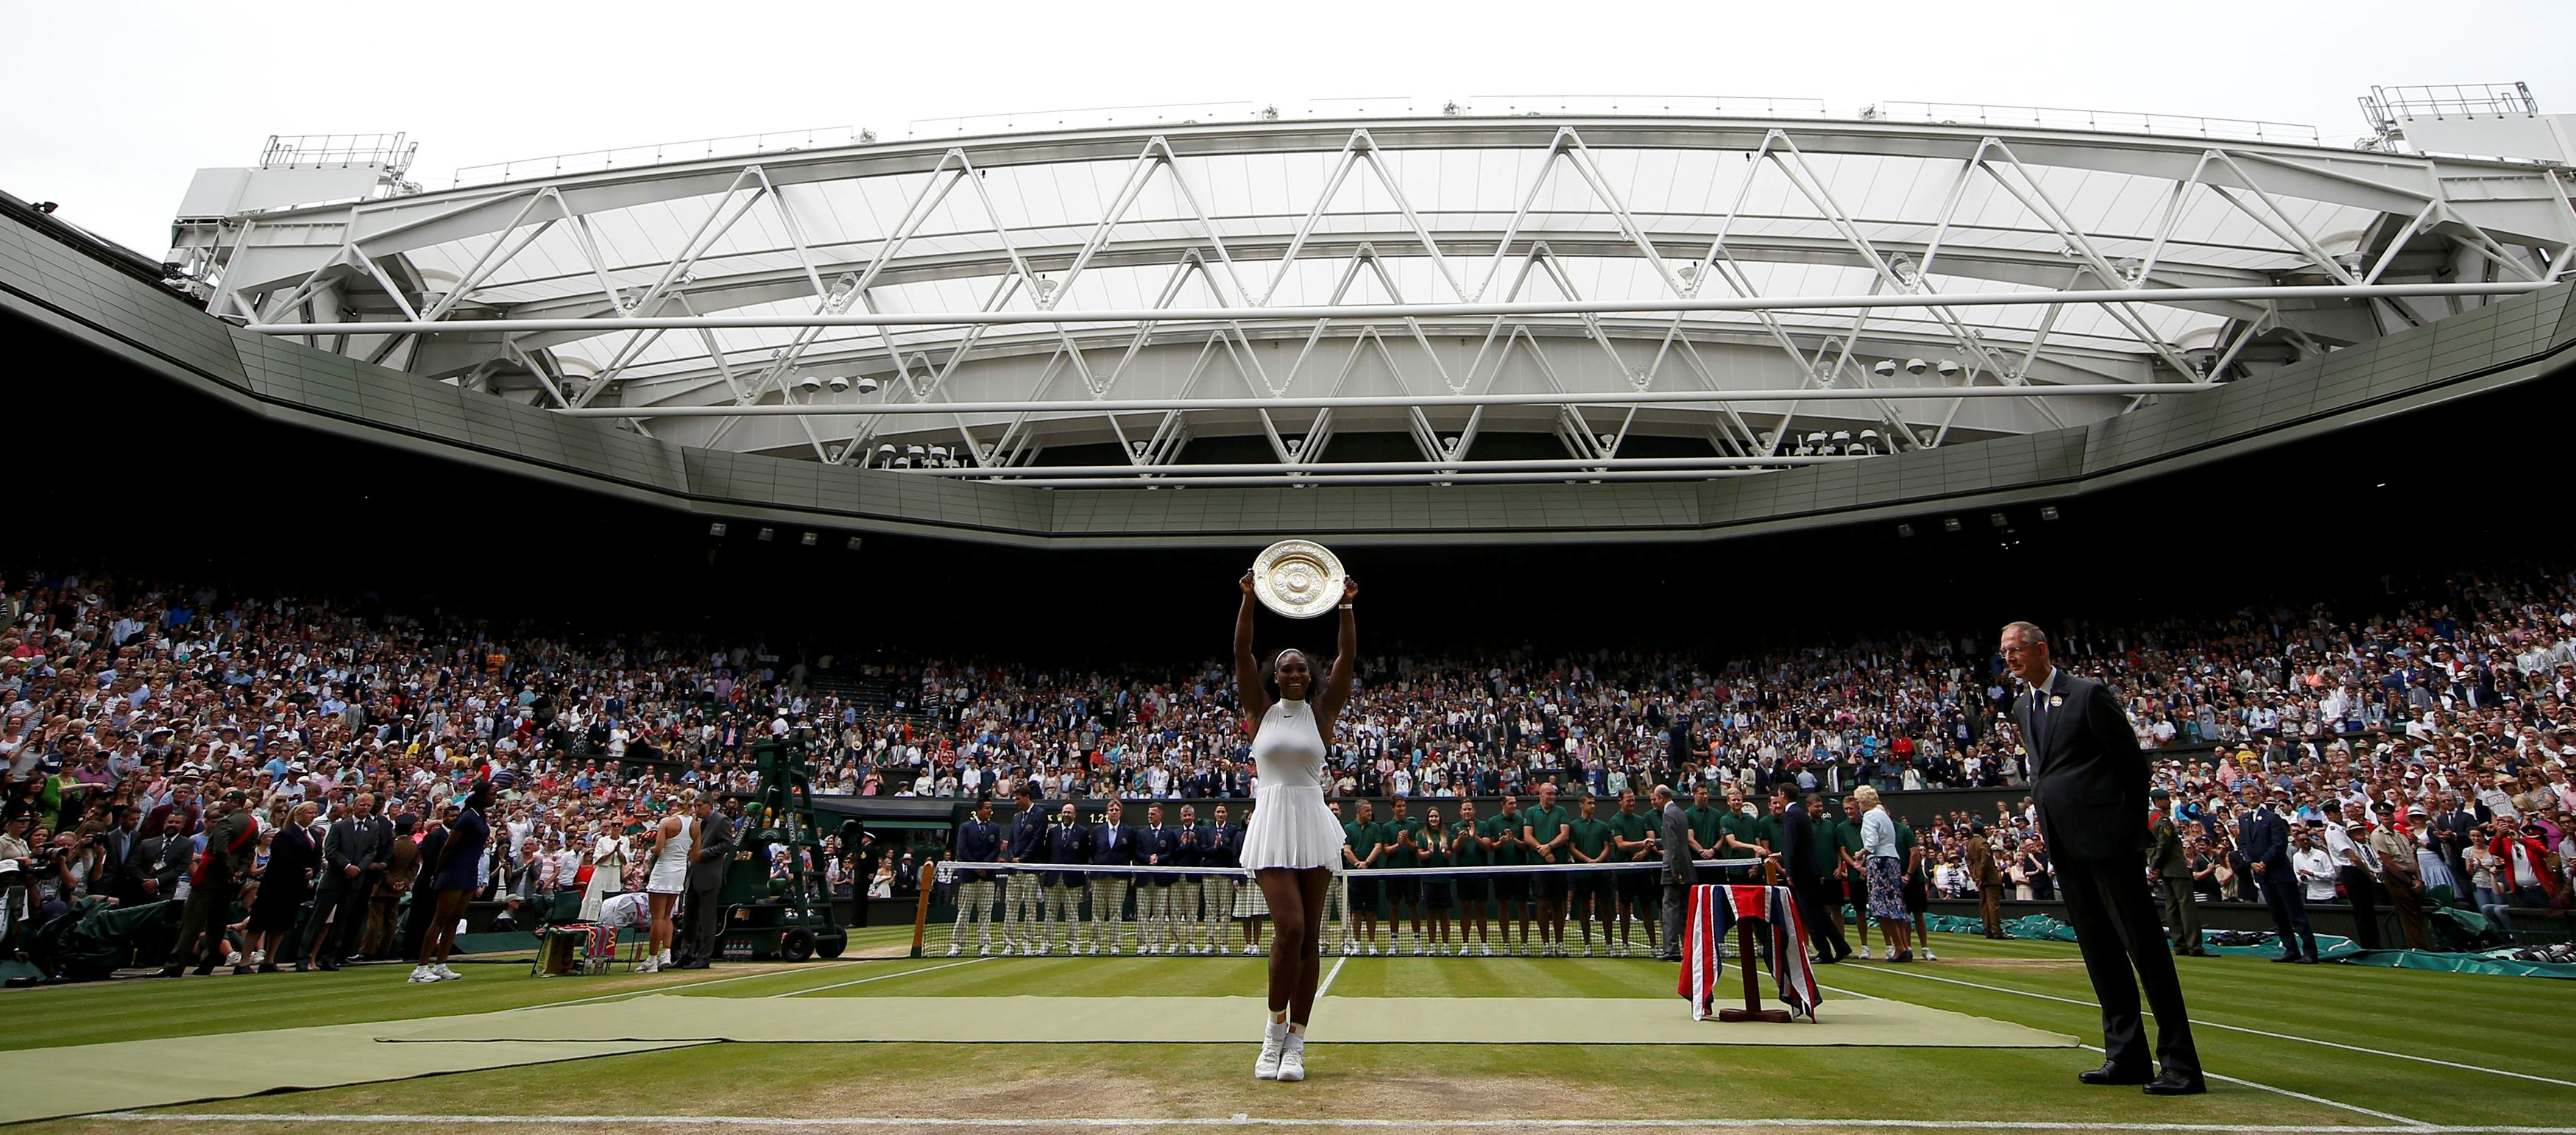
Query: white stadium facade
[(1496, 320)]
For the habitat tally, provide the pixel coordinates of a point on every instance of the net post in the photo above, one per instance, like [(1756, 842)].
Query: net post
[(921, 906)]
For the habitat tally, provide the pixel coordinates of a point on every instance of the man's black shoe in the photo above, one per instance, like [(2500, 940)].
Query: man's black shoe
[(2175, 1084), (169, 971), (206, 970), (328, 967), (2113, 1074), (693, 963), (1823, 961), (2287, 958), (2308, 960), (302, 966)]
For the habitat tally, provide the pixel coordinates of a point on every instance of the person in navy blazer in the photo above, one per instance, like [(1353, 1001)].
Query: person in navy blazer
[(1113, 844), (2089, 783), (2264, 838)]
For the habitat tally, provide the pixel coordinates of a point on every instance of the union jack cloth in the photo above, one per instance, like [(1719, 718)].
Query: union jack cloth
[(1714, 911)]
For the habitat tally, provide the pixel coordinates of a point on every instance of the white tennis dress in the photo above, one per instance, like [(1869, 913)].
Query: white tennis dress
[(1290, 825), (670, 874)]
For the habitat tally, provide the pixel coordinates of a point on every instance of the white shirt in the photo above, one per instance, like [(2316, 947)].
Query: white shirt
[(2317, 870)]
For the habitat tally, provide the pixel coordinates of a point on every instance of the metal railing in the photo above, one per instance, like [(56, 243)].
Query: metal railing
[(1731, 106), (387, 150), (2112, 121), (593, 161)]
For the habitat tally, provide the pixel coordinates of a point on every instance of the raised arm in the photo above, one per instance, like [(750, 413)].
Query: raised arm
[(1247, 669), (1337, 686)]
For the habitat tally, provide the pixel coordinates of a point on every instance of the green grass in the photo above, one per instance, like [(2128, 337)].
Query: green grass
[(2505, 1024)]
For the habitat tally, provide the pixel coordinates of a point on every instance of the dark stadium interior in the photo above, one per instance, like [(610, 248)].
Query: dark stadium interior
[(419, 530)]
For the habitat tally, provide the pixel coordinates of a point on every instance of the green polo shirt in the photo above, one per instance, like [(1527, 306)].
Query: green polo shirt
[(1705, 823), (1847, 836), (1591, 837), (1465, 851), (1363, 838), (1543, 823), (1508, 829), (1630, 826), (1829, 836), (1905, 845), (1436, 851), (1397, 855)]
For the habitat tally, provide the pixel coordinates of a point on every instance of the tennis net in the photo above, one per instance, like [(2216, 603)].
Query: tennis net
[(1541, 910)]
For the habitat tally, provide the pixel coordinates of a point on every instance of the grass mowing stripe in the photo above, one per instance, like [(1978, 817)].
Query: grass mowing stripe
[(1243, 1120), (2411, 1124), (2202, 1022)]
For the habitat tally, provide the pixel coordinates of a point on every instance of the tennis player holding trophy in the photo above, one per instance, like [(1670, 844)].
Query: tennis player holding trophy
[(1292, 844)]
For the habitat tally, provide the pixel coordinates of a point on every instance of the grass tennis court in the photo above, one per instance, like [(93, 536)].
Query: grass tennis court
[(2312, 1047)]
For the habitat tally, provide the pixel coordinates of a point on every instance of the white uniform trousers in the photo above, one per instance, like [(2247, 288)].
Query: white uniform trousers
[(1064, 908), (1216, 894), (1108, 909), (1024, 910), (975, 902), (1153, 917)]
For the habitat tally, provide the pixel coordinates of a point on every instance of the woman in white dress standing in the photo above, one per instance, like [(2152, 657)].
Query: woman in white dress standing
[(1292, 842), (608, 855), (670, 876)]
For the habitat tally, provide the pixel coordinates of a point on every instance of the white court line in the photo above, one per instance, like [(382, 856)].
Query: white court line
[(2199, 1023), (686, 985), (2410, 1124), (1240, 1120), (1327, 987), (879, 977)]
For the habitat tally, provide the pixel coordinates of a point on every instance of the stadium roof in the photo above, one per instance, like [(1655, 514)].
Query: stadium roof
[(535, 287)]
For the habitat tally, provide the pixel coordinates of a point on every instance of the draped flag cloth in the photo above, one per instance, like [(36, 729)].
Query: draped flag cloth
[(1714, 911)]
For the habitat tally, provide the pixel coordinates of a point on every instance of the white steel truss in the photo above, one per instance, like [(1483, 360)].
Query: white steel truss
[(1292, 284)]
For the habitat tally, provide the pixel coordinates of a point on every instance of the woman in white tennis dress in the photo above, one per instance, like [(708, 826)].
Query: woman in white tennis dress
[(1292, 844), (673, 838)]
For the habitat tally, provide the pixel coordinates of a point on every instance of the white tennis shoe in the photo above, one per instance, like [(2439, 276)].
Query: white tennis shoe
[(1292, 1059), (952, 950), (1929, 956), (420, 975), (1274, 1042), (1864, 953), (446, 974), (1249, 949)]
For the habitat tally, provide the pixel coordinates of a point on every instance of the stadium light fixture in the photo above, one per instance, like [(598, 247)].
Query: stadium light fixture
[(1885, 368), (1997, 519), (2048, 512), (808, 539), (1916, 366), (1905, 531), (765, 535), (716, 529), (853, 545), (1951, 524)]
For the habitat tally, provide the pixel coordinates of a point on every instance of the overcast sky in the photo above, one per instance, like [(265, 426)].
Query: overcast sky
[(117, 103)]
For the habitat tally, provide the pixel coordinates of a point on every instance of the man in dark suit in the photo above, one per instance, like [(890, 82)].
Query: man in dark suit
[(153, 871), (2263, 837), (979, 840), (358, 842), (1679, 873), (1156, 846), (1023, 909), (2172, 866), (1066, 843), (2089, 783), (701, 909), (1113, 844), (1809, 886)]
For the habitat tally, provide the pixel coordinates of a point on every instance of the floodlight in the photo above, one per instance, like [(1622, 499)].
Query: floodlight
[(840, 383), (716, 529), (765, 535), (868, 384), (807, 539), (1949, 368), (1950, 524), (1916, 366), (1886, 368)]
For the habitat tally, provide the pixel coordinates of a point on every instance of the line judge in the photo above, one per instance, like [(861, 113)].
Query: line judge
[(2090, 783)]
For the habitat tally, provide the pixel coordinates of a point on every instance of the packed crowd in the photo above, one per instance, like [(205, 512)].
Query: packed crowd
[(133, 708)]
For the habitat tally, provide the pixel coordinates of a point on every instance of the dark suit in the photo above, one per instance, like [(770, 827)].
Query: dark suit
[(2173, 881), (2265, 838), (340, 902), (1808, 887), (1678, 874), (701, 929), (2089, 782), (162, 859)]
